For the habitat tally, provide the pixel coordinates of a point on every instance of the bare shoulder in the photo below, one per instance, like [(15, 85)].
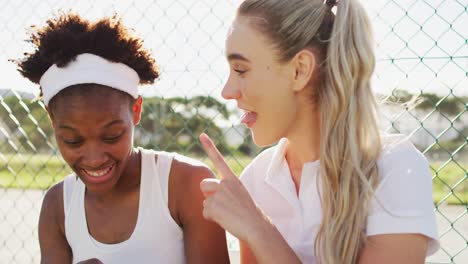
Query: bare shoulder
[(186, 167), (53, 201), (184, 182), (52, 210), (204, 241), (191, 167), (184, 196), (189, 170), (53, 244)]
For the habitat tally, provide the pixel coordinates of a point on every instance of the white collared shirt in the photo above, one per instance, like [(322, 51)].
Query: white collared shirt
[(403, 170)]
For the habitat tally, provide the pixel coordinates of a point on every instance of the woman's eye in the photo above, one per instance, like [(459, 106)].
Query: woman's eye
[(240, 72), (113, 138), (72, 142)]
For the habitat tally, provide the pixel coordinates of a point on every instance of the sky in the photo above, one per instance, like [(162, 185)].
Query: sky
[(421, 44)]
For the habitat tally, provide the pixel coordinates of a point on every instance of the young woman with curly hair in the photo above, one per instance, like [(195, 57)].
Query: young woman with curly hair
[(121, 204)]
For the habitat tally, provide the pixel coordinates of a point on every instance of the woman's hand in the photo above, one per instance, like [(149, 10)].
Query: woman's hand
[(227, 202)]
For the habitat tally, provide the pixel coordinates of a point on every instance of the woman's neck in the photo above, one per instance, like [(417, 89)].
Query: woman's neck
[(303, 143), (132, 172)]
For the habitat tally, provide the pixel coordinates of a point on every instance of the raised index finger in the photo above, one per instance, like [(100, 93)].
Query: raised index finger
[(216, 157)]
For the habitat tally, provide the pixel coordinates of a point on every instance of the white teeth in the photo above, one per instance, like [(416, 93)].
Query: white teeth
[(245, 113), (97, 173)]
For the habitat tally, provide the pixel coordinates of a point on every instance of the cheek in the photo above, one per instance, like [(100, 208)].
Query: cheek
[(254, 87), (278, 104), (126, 143), (245, 88), (277, 90), (121, 149), (69, 155)]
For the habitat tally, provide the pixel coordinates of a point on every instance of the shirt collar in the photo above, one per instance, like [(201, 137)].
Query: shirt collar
[(279, 177), (278, 167), (277, 159)]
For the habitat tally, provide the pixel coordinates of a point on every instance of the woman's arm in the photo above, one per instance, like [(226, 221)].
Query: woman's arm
[(229, 204), (246, 254), (401, 227), (205, 241), (269, 249), (52, 241), (394, 248)]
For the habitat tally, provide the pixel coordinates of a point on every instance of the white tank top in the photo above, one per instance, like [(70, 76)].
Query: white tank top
[(156, 238)]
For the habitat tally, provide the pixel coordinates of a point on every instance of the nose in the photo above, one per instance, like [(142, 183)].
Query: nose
[(94, 156), (230, 91)]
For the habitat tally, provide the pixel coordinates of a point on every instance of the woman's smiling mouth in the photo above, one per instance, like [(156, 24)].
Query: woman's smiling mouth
[(99, 176)]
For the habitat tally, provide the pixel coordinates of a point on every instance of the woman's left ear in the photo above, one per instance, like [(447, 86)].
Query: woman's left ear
[(136, 110), (304, 65)]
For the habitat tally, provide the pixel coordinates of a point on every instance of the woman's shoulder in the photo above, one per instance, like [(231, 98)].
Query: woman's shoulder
[(398, 151), (404, 170), (54, 194), (57, 193), (180, 178), (52, 210), (403, 201), (180, 165), (185, 166)]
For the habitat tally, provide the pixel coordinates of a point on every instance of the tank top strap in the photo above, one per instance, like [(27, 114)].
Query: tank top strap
[(71, 189), (68, 184), (163, 169)]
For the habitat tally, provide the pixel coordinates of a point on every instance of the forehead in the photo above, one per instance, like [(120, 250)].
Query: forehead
[(90, 101), (245, 40)]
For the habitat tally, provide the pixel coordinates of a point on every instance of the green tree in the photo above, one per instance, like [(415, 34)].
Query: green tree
[(28, 125), (174, 124), (447, 105)]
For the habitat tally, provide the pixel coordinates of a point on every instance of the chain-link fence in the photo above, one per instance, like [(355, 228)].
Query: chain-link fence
[(422, 53)]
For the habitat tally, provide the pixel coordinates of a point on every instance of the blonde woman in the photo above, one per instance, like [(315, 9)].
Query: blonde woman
[(333, 189)]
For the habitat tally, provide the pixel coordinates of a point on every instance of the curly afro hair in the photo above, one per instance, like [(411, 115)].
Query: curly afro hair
[(68, 35)]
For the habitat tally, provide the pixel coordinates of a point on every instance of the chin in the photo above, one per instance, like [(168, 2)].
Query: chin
[(264, 139), (100, 188)]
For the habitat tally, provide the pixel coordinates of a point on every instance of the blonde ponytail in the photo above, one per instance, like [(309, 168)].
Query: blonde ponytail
[(350, 142)]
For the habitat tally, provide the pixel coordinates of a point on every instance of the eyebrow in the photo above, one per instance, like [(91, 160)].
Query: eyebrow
[(114, 122), (237, 56)]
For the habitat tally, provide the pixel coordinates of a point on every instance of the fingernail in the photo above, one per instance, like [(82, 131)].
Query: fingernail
[(203, 137)]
